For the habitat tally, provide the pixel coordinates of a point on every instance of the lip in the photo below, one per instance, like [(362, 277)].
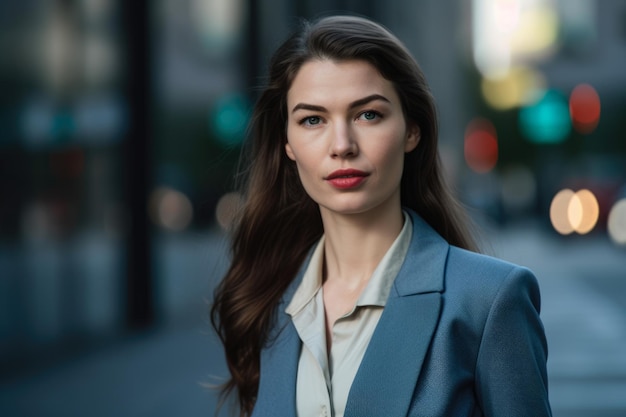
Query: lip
[(346, 178)]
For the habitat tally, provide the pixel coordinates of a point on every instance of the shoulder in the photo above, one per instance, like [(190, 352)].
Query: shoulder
[(468, 261), (480, 279), (485, 270)]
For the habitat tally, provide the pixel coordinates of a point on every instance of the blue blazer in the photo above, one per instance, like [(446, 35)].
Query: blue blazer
[(460, 336)]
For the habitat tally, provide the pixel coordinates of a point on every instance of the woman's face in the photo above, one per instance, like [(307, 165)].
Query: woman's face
[(347, 133)]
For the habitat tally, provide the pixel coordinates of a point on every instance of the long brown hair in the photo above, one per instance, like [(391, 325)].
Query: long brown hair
[(279, 222)]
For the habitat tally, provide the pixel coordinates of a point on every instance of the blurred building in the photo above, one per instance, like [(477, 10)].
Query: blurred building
[(63, 123)]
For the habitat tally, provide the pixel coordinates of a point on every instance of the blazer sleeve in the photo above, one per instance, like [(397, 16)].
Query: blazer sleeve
[(511, 377)]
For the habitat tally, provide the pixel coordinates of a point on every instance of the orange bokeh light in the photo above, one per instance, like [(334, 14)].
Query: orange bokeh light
[(559, 212), (481, 145), (584, 107), (587, 209), (574, 211)]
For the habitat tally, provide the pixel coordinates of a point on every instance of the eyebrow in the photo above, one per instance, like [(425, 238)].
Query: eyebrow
[(356, 103)]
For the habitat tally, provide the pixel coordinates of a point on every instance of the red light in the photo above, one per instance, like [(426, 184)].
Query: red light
[(481, 145), (584, 108)]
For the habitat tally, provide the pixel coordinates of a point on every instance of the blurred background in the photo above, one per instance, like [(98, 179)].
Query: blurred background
[(121, 123)]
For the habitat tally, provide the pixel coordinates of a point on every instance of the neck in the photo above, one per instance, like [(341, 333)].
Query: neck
[(356, 243)]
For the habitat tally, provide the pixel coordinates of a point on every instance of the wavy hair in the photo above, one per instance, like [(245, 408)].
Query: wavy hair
[(279, 222)]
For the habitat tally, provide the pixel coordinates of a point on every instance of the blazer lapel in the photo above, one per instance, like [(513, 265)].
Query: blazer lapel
[(279, 366), (279, 361), (388, 374)]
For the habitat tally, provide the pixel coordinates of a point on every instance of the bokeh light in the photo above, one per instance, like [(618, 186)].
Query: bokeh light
[(537, 30), (508, 32), (583, 211), (617, 222), (170, 209), (574, 211), (227, 208), (559, 212), (218, 23), (546, 121), (229, 119), (520, 86), (481, 145), (584, 106)]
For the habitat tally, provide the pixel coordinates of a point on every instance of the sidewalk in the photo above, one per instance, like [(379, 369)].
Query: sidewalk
[(157, 374)]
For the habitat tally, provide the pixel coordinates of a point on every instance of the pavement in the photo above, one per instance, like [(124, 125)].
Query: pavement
[(168, 371)]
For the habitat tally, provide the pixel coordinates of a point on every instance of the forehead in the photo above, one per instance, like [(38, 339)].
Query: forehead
[(321, 81)]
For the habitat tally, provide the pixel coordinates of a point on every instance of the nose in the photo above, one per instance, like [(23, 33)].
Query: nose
[(343, 143)]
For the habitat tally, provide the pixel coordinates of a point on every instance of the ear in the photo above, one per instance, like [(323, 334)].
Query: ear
[(413, 136), (289, 152)]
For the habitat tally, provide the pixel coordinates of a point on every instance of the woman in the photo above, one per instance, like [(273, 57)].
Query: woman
[(354, 289)]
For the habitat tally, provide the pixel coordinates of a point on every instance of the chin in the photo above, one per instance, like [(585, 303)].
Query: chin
[(349, 208)]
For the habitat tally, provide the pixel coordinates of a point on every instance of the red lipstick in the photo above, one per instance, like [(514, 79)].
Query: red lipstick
[(346, 178)]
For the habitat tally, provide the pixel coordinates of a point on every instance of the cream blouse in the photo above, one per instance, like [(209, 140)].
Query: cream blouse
[(323, 382)]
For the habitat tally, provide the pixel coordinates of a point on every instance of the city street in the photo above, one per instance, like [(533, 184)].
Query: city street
[(165, 372), (133, 132)]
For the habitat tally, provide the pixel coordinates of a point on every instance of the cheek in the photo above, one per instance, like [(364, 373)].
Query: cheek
[(295, 146), (305, 164), (305, 175), (390, 161), (391, 149), (306, 152)]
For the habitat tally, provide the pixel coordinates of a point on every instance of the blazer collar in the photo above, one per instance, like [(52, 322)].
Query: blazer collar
[(424, 266), (388, 374)]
